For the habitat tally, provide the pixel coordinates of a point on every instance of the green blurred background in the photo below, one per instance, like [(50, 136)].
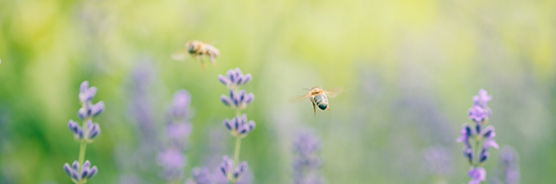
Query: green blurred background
[(409, 69)]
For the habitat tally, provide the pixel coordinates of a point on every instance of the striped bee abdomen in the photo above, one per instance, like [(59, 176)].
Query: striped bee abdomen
[(321, 101)]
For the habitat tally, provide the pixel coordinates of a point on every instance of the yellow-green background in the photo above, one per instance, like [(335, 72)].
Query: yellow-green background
[(409, 69)]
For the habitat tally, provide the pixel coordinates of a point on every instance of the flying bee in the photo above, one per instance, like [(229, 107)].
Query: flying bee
[(198, 49), (319, 98)]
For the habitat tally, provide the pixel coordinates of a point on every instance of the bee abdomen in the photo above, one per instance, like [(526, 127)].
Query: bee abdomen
[(321, 101)]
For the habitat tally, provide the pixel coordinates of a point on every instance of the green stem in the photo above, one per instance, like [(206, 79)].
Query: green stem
[(83, 147)]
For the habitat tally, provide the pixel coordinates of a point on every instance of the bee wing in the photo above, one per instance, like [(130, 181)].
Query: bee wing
[(181, 55), (299, 98), (333, 93)]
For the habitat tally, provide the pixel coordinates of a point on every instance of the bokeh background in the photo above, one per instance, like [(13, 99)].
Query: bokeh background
[(409, 69)]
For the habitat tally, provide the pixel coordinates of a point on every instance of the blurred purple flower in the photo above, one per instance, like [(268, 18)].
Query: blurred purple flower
[(172, 161), (477, 174), (437, 160), (178, 130), (508, 163), (306, 161)]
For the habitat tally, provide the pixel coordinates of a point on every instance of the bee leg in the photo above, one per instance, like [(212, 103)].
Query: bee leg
[(204, 65), (328, 109), (314, 109), (211, 57)]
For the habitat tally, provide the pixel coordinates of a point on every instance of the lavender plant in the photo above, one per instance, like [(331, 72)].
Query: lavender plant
[(178, 130), (80, 170), (508, 163), (306, 162), (478, 139), (239, 126), (438, 163)]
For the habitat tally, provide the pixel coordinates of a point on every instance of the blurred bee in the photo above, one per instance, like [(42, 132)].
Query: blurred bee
[(319, 98), (198, 49)]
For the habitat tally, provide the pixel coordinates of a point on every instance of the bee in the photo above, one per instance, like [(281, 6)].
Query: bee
[(198, 49), (319, 98)]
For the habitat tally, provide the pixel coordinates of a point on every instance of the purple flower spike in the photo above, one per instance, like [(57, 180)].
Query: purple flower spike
[(180, 107), (478, 135), (509, 165), (84, 133), (306, 161), (477, 175)]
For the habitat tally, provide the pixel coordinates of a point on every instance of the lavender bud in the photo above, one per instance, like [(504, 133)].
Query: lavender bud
[(226, 100), (468, 153), (84, 86), (95, 131), (93, 172), (250, 97), (87, 164), (68, 169), (228, 124), (223, 80), (75, 165), (85, 172), (74, 128), (97, 108), (240, 170), (82, 113), (226, 165), (246, 79), (484, 156)]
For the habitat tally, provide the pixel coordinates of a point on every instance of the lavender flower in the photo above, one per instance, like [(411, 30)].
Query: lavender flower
[(509, 165), (227, 168), (80, 176), (473, 137), (438, 160), (306, 162), (237, 100), (234, 78), (477, 175), (238, 126), (480, 111), (84, 133), (178, 130), (200, 176)]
